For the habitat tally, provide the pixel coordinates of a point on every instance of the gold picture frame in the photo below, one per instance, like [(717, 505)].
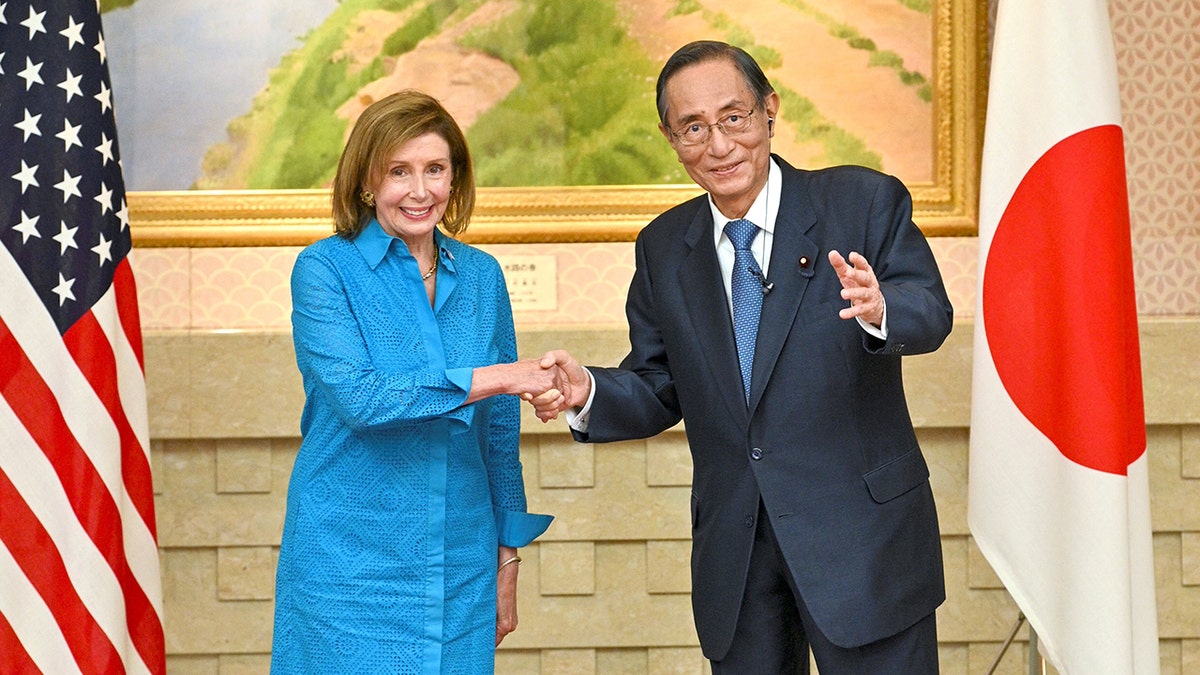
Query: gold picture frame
[(945, 206)]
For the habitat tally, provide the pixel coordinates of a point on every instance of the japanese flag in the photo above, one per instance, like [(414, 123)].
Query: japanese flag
[(1059, 492)]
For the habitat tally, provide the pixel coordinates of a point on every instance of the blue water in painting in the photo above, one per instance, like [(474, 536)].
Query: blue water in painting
[(181, 70)]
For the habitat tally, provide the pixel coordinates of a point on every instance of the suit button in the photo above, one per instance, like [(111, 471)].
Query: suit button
[(756, 454), (749, 521)]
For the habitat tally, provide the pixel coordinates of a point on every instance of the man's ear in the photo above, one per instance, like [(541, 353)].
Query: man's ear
[(771, 103), (771, 106)]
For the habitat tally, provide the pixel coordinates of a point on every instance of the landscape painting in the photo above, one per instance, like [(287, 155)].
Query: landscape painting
[(260, 94)]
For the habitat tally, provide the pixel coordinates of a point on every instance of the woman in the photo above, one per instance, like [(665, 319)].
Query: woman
[(406, 503)]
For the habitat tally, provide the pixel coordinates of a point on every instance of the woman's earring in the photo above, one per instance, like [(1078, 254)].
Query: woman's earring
[(367, 198)]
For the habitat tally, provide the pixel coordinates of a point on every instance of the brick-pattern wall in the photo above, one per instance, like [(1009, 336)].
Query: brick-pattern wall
[(605, 590)]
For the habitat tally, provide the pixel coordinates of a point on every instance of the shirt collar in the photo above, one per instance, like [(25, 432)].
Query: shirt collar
[(373, 243)]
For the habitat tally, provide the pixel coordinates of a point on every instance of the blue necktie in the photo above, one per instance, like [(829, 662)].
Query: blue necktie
[(747, 295)]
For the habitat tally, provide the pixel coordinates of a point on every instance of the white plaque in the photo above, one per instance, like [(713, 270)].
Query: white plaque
[(532, 281)]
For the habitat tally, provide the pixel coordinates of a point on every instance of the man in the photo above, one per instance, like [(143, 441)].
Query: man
[(813, 523)]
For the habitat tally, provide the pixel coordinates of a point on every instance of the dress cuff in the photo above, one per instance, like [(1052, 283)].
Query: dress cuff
[(517, 529), (460, 377), (463, 415)]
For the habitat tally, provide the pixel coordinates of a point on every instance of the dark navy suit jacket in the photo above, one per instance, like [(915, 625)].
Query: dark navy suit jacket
[(826, 442)]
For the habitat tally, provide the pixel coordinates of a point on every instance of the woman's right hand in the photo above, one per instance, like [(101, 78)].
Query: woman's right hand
[(532, 378), (527, 378), (577, 391)]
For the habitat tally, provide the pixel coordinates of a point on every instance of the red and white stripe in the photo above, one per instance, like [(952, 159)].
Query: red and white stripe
[(78, 553)]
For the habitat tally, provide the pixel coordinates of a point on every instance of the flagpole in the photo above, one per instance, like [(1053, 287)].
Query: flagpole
[(1037, 665), (1008, 642)]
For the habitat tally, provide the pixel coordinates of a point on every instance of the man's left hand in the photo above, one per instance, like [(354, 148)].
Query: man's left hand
[(860, 287)]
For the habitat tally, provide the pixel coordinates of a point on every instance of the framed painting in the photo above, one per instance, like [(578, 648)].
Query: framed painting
[(234, 134)]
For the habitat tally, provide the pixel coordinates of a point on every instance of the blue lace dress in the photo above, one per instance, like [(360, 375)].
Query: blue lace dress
[(400, 494)]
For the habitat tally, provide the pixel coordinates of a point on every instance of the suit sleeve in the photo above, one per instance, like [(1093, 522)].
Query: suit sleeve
[(919, 313)]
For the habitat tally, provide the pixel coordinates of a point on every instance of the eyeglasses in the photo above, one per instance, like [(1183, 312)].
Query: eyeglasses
[(697, 133)]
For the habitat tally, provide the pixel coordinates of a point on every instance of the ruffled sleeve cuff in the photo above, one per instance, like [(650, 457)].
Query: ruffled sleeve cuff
[(462, 416), (460, 377), (517, 529)]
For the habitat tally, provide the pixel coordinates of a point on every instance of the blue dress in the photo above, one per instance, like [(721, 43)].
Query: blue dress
[(400, 494)]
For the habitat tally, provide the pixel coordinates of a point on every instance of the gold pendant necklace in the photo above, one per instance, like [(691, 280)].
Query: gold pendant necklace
[(432, 269)]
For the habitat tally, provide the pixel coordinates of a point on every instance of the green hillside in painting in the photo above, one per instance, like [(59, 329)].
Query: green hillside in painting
[(561, 92)]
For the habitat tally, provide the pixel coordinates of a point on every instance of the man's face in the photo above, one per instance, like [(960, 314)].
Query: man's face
[(730, 167)]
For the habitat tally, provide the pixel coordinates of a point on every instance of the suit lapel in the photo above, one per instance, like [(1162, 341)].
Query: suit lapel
[(793, 262), (708, 309)]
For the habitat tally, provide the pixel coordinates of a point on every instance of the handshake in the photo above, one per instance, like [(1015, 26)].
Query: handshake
[(553, 383)]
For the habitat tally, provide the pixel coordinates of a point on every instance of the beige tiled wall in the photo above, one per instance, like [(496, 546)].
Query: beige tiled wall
[(606, 589)]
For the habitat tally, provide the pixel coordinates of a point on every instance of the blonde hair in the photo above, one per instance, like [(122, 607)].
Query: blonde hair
[(382, 128)]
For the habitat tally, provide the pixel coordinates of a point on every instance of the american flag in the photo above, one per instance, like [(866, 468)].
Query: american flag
[(80, 590)]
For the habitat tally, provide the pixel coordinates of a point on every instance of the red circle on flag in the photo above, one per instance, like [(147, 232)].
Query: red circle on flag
[(1059, 306)]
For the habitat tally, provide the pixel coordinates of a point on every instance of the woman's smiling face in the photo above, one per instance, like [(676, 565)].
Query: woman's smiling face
[(413, 191)]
